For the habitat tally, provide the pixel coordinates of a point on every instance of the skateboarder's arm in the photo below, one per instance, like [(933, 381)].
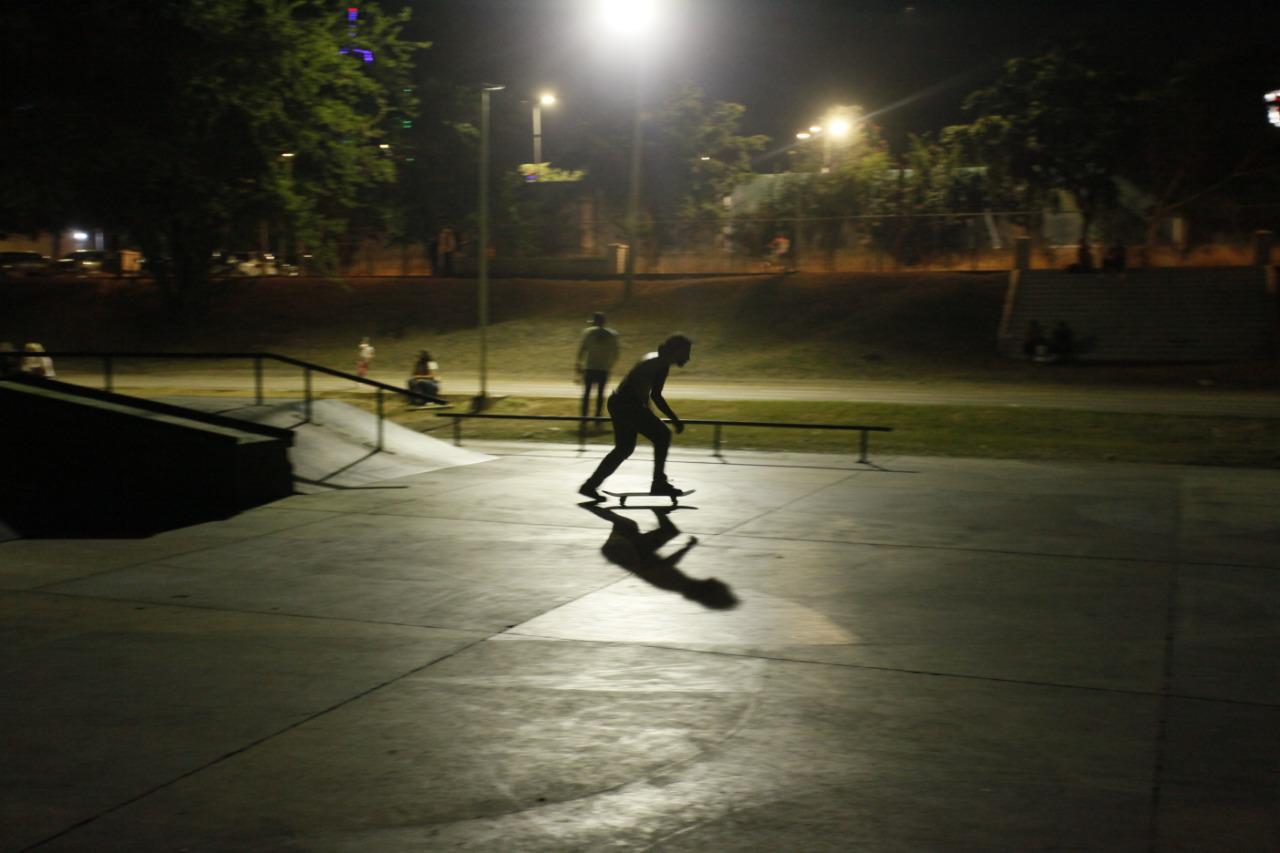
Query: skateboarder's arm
[(661, 402)]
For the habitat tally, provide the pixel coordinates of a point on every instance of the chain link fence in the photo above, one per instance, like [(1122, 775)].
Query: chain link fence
[(891, 243)]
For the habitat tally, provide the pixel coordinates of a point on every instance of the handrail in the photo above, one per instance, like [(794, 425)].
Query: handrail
[(109, 358), (863, 447)]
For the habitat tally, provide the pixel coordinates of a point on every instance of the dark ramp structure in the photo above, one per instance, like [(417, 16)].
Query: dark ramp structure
[(87, 463)]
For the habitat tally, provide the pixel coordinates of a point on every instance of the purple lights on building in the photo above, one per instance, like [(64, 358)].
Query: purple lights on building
[(353, 20)]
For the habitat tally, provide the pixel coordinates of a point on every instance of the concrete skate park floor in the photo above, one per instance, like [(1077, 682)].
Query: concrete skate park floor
[(925, 654)]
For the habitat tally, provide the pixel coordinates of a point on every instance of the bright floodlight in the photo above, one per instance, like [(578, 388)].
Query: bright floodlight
[(803, 135), (547, 99), (630, 18), (840, 127), (815, 128)]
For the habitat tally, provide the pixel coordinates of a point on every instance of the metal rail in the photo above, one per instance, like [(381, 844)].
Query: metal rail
[(108, 360), (863, 444)]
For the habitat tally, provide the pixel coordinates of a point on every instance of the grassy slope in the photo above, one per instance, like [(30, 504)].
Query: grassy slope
[(920, 328), (927, 327)]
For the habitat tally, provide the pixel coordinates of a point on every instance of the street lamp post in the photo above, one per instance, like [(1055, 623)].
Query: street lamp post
[(633, 194), (545, 100), (481, 401), (632, 21)]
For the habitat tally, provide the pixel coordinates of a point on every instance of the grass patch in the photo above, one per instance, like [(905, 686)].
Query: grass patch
[(967, 431)]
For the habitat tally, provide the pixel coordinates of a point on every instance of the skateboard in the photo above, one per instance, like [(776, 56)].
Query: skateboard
[(622, 496)]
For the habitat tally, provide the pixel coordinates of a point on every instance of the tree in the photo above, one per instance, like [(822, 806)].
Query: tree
[(177, 139), (1205, 144), (694, 154), (1052, 123)]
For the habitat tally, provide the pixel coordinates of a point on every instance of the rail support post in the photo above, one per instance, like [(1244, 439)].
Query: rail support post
[(379, 447), (862, 445), (716, 440), (457, 432), (257, 380), (306, 390)]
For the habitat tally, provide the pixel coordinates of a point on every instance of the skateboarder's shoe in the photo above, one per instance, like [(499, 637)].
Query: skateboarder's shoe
[(664, 487), (589, 491)]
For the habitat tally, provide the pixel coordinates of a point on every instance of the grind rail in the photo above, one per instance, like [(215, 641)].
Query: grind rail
[(257, 359), (719, 425)]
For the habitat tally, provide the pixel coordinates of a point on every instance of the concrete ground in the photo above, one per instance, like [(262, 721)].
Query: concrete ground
[(918, 655)]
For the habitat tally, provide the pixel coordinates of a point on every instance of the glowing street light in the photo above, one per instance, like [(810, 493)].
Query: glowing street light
[(628, 18), (836, 127), (546, 99)]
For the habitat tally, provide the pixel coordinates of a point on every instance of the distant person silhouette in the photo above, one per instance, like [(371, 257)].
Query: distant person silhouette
[(780, 251), (1063, 343), (597, 353), (631, 416), (35, 362), (364, 357), (637, 552), (1033, 340), (1114, 259), (424, 382), (446, 248)]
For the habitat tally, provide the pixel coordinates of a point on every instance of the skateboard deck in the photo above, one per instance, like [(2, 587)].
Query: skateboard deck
[(622, 496)]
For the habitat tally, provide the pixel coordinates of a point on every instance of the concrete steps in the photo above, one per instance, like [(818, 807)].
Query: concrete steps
[(1210, 314)]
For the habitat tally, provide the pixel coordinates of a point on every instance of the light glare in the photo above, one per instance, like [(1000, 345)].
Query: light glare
[(629, 18)]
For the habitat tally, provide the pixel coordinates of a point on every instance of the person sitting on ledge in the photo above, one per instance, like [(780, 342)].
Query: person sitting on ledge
[(425, 381)]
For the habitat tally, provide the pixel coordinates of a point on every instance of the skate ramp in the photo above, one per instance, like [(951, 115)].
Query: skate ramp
[(337, 448)]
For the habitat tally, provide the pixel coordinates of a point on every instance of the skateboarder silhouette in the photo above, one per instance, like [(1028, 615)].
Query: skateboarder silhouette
[(629, 410)]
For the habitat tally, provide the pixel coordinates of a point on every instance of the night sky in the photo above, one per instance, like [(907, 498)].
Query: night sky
[(788, 60)]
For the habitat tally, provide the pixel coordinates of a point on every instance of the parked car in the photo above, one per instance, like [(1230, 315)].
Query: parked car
[(83, 261), (23, 263), (243, 263)]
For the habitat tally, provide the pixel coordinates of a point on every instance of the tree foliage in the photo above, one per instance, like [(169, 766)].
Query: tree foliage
[(1054, 122), (1204, 150), (166, 122), (693, 155)]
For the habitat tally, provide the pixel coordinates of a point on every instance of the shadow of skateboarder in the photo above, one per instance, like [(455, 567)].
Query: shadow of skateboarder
[(637, 552)]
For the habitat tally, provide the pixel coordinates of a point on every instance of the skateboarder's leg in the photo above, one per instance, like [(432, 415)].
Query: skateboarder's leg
[(656, 431), (602, 379), (624, 443)]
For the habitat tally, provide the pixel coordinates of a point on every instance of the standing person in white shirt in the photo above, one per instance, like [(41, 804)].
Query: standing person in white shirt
[(597, 353)]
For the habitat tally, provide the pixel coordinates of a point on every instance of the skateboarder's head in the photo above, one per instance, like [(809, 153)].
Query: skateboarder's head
[(676, 349), (597, 319)]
